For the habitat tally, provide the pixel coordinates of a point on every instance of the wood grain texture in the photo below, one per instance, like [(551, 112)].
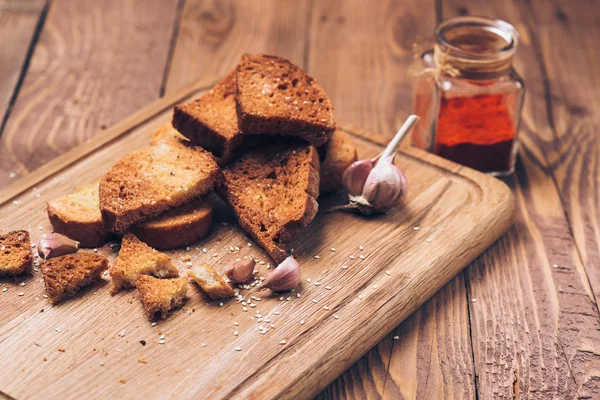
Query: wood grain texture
[(534, 318), (18, 21), (361, 53), (213, 35), (95, 63), (368, 301)]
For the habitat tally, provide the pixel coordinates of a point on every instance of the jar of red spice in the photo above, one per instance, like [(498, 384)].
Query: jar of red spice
[(468, 95)]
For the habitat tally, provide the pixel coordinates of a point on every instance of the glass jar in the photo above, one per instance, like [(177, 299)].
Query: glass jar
[(468, 95)]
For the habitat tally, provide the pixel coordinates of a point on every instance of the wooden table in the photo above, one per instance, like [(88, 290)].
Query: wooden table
[(523, 319)]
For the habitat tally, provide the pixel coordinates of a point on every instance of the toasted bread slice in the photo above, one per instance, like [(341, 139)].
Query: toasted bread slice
[(211, 282), (273, 193), (275, 96), (160, 296), (211, 120), (338, 153), (137, 258), (77, 215), (166, 132), (177, 227), (15, 253), (65, 275), (152, 180)]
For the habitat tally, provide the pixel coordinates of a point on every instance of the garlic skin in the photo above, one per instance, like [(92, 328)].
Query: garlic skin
[(240, 271), (285, 277), (55, 244), (377, 185)]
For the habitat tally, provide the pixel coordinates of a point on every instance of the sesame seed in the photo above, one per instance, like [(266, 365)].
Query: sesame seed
[(428, 240), (288, 299), (317, 257), (21, 294), (245, 309), (325, 308), (216, 255), (249, 244), (473, 300), (187, 248), (276, 313), (220, 304), (352, 257), (57, 330), (317, 283), (12, 175), (21, 283), (16, 202), (360, 296), (283, 342), (204, 250), (236, 324), (235, 333), (396, 337), (375, 286), (345, 267), (553, 265), (161, 341), (361, 247), (388, 272), (4, 289), (238, 348), (203, 344), (123, 332), (302, 322), (336, 316), (416, 228), (298, 295), (161, 337), (308, 280), (315, 301), (361, 257), (281, 298)]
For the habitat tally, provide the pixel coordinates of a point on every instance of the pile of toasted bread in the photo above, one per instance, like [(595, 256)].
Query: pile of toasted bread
[(264, 138)]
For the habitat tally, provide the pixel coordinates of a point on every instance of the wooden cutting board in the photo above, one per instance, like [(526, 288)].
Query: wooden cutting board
[(91, 346)]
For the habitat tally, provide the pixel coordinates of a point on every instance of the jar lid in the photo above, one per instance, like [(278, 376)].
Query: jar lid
[(475, 47)]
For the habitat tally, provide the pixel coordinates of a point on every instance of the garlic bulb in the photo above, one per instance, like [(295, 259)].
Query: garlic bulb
[(285, 277), (377, 185), (55, 244), (240, 271)]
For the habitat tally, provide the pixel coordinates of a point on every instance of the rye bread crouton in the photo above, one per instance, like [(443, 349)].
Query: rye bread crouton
[(65, 275), (337, 155), (160, 296), (273, 192), (166, 132), (137, 258), (15, 253), (154, 179), (178, 227), (211, 283), (211, 121), (77, 215), (275, 96)]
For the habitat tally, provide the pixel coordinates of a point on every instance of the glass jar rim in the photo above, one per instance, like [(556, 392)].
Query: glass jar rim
[(499, 28)]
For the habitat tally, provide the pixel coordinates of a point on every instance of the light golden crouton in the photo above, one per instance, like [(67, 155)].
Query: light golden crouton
[(211, 282), (160, 296)]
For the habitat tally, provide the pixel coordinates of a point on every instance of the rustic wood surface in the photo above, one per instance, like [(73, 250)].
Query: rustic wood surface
[(393, 269), (512, 325)]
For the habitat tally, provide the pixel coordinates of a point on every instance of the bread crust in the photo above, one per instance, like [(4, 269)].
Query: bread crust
[(161, 296), (211, 282)]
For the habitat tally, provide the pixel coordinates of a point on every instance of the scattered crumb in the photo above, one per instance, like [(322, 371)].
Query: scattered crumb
[(143, 361), (123, 381), (61, 349)]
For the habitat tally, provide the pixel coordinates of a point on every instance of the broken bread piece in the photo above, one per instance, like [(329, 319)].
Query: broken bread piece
[(336, 155), (77, 215), (274, 96), (15, 253), (160, 296), (65, 275), (273, 192), (211, 282), (177, 227), (137, 258), (154, 179), (211, 121)]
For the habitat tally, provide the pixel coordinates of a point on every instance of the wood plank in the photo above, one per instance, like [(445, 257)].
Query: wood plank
[(18, 21), (567, 34), (95, 63), (534, 317), (365, 73), (213, 35), (369, 302)]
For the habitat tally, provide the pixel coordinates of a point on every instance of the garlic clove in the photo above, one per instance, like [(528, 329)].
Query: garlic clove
[(384, 186), (55, 244), (355, 176), (240, 271), (285, 277)]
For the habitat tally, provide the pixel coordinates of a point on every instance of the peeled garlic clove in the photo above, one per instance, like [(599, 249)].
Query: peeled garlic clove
[(240, 271), (55, 244), (285, 277), (355, 176), (384, 186)]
